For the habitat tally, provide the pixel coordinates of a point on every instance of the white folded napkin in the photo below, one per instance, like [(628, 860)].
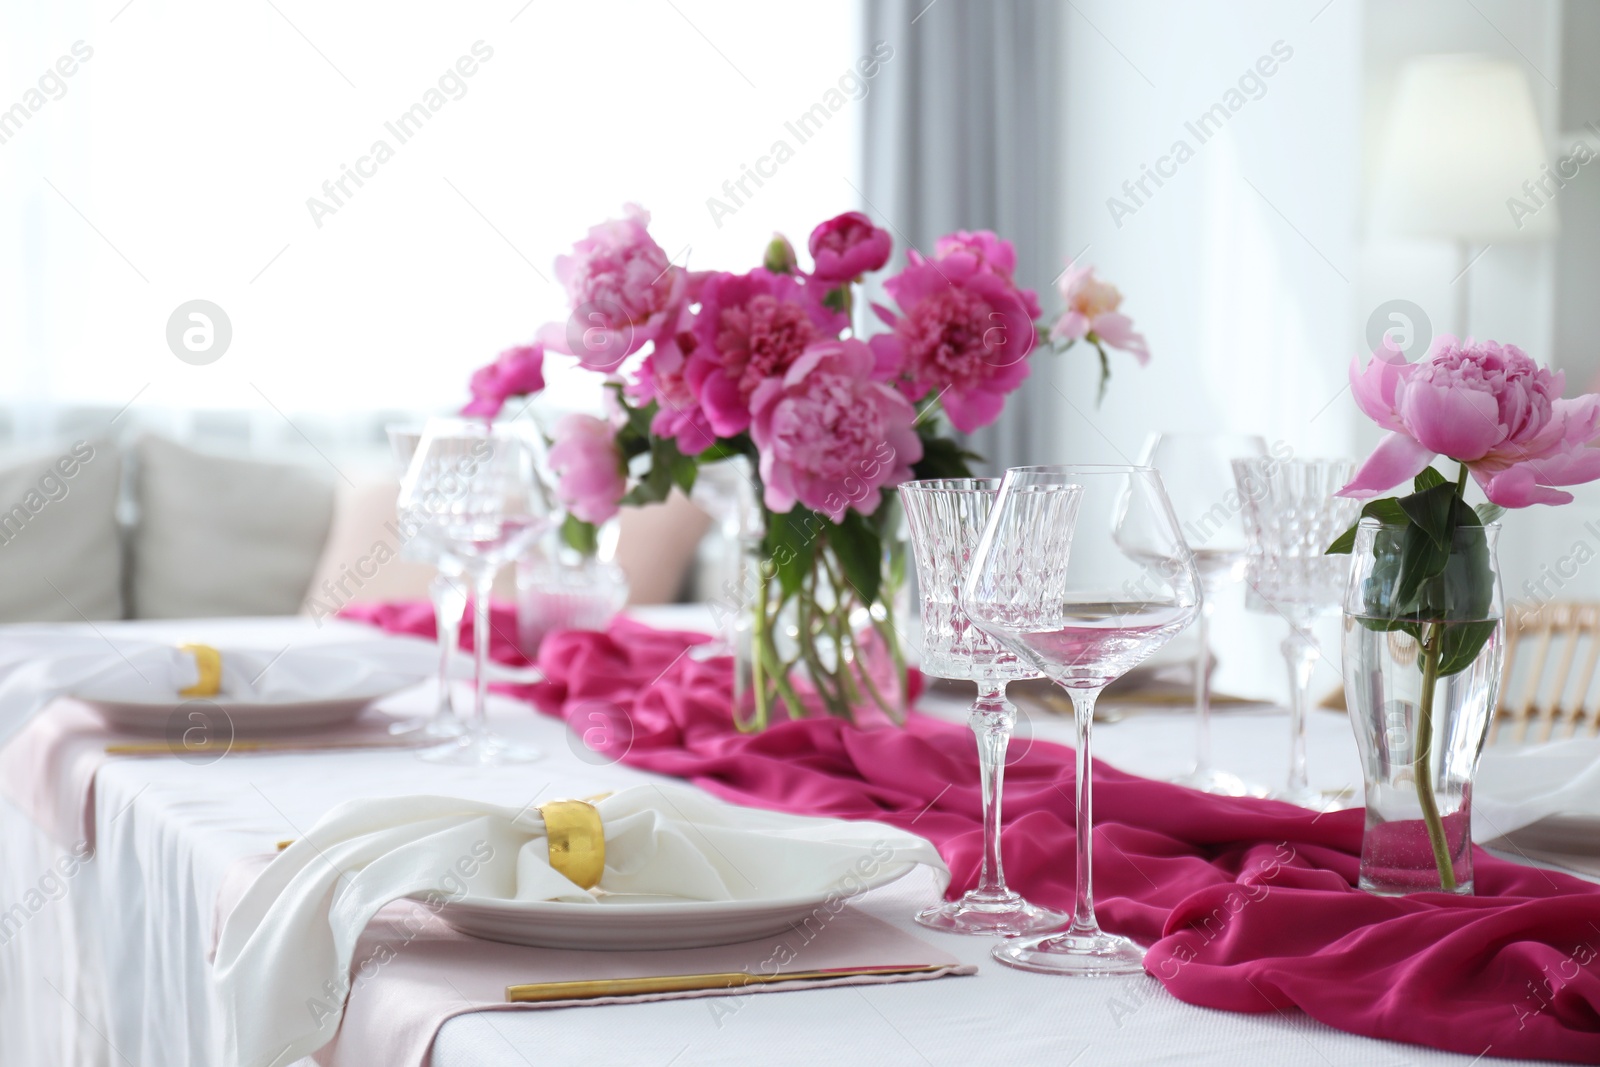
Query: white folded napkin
[(39, 664), (289, 941), (1516, 787)]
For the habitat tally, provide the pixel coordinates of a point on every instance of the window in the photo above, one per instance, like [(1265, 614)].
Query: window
[(374, 198)]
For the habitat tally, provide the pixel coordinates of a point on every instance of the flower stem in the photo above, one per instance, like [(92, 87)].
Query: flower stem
[(758, 651), (1422, 767)]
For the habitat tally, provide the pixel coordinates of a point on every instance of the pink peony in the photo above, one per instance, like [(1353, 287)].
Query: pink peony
[(1483, 404), (964, 332), (751, 327), (661, 379), (623, 289), (846, 247), (516, 372), (1092, 309), (829, 436), (991, 252), (590, 480)]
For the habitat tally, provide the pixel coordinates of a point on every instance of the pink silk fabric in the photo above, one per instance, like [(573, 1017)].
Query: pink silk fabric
[(1247, 905)]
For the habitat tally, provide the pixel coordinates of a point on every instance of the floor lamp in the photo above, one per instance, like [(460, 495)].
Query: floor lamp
[(1463, 160)]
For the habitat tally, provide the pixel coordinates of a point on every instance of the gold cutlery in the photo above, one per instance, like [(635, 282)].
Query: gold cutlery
[(542, 992)]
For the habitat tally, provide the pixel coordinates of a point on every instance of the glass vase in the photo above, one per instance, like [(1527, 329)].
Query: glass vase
[(818, 645), (1421, 667), (559, 589)]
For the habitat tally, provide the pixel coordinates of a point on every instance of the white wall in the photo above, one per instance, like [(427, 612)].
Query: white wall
[(1240, 269)]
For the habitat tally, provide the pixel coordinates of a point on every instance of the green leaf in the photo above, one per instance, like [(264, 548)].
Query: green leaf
[(791, 545), (943, 458), (727, 448), (1432, 510), (1386, 510), (584, 537), (859, 550), (837, 299), (1468, 577), (1488, 513), (684, 472), (1461, 643), (1427, 480), (1421, 558)]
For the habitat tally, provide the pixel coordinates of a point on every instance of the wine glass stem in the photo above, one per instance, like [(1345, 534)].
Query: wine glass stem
[(1300, 652), (483, 587), (1083, 920), (1202, 690), (992, 719), (449, 604)]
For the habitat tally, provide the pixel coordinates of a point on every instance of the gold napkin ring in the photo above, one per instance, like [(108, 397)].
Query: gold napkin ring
[(208, 661), (577, 840)]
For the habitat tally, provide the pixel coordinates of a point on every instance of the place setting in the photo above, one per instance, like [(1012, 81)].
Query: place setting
[(1008, 604)]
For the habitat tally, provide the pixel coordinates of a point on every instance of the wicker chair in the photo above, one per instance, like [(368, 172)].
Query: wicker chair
[(1550, 660)]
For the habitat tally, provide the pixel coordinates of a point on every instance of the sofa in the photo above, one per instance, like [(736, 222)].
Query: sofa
[(95, 529)]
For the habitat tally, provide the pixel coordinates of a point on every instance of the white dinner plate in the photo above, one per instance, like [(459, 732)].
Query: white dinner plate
[(247, 718), (621, 922)]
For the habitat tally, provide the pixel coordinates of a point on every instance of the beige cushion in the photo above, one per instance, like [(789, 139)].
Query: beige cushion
[(60, 556), (361, 561), (217, 535), (656, 545)]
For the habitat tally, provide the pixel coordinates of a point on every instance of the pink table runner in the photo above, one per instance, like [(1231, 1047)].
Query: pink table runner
[(1248, 905)]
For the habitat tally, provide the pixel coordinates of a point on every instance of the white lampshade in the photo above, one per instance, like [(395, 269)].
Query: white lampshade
[(1462, 139)]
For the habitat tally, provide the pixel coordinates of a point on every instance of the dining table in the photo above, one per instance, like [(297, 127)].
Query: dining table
[(110, 965)]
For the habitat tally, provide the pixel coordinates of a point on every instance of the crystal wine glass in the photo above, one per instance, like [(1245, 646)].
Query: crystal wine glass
[(473, 490), (946, 517), (1084, 614), (1196, 469), (1292, 516), (448, 593)]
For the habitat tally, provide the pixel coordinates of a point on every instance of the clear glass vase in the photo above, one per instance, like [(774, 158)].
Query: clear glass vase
[(1421, 667), (821, 646), (559, 589)]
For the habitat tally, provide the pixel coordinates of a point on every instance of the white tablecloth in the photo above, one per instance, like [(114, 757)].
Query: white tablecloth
[(110, 966)]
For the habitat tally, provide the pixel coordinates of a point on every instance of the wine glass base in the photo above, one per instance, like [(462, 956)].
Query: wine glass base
[(438, 727), (479, 750), (1085, 954), (1316, 799), (1005, 916), (1220, 783)]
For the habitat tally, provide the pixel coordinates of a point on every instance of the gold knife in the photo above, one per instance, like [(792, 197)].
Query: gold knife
[(541, 992)]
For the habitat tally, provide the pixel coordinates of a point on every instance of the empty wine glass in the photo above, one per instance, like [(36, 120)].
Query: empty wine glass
[(473, 490), (1292, 516), (448, 593), (946, 517), (1195, 467), (1084, 614)]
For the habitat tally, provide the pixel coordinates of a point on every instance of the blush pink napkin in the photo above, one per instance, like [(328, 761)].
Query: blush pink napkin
[(48, 769), (1248, 905)]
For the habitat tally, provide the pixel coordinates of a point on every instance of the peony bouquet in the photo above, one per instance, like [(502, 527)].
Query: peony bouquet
[(769, 365)]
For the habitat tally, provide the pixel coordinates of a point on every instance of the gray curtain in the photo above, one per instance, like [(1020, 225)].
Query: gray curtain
[(961, 133)]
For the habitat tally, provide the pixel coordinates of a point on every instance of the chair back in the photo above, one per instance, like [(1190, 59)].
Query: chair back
[(1550, 659)]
